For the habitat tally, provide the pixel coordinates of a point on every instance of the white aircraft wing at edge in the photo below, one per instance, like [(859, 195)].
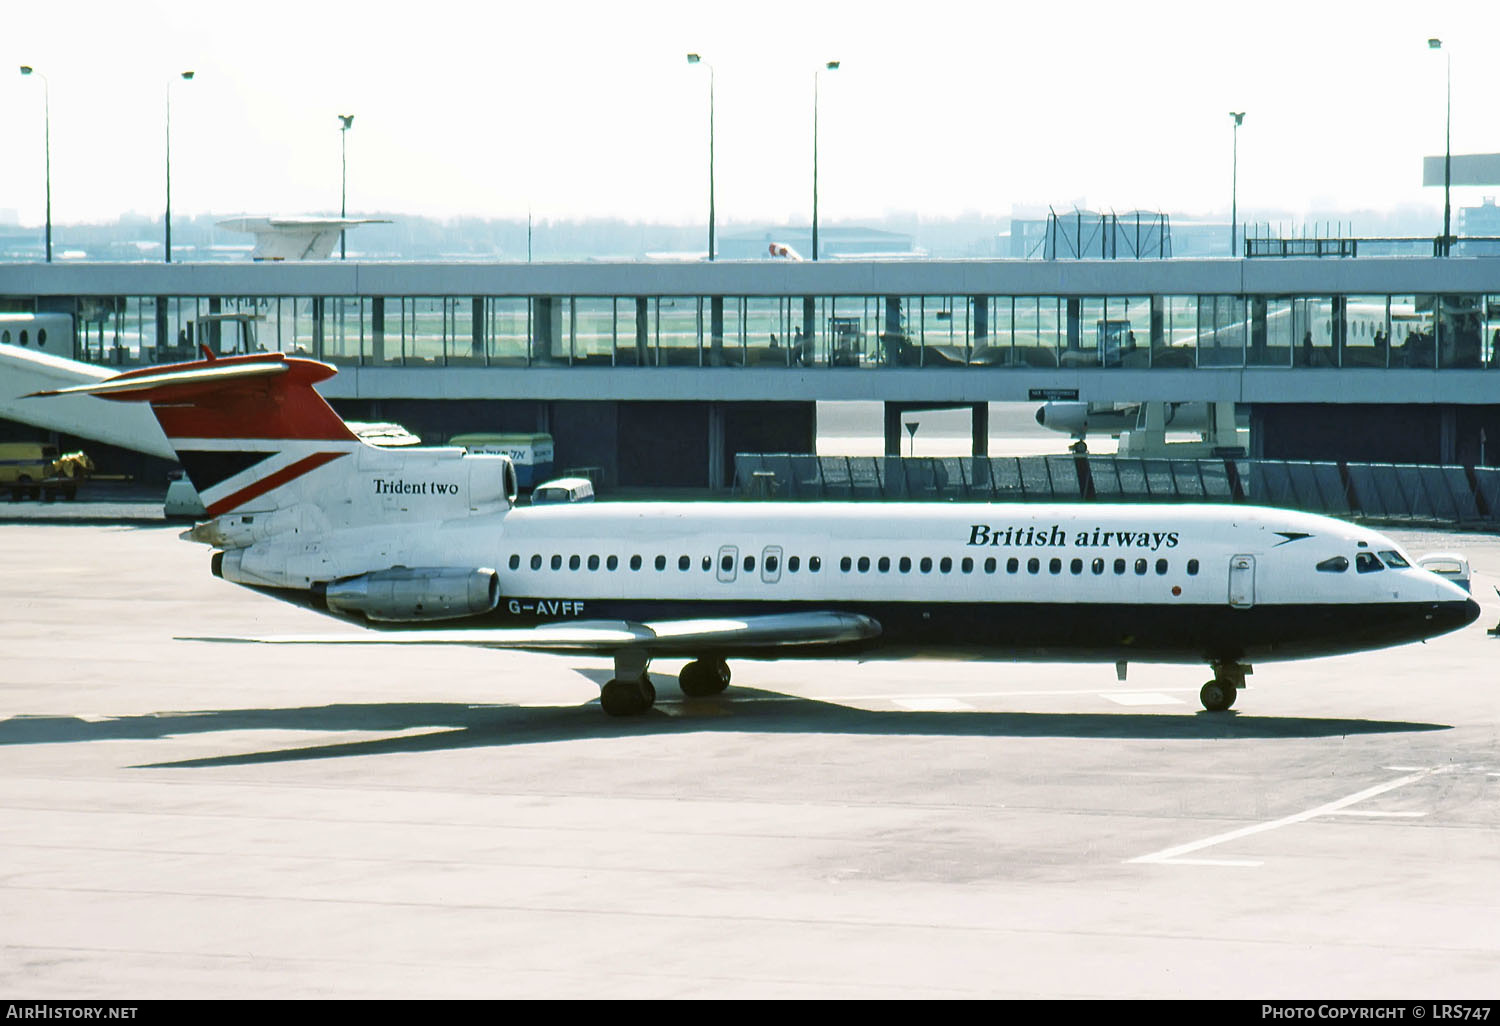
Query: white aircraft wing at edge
[(608, 636)]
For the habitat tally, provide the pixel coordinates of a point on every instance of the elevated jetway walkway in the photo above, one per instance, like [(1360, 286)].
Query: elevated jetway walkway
[(1467, 497)]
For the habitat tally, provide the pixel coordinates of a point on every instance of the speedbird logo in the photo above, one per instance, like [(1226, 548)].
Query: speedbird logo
[(1037, 536)]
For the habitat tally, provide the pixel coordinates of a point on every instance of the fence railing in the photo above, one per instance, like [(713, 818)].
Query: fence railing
[(1414, 493)]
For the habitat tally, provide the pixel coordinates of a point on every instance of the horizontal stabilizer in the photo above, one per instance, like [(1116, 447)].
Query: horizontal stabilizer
[(162, 385), (663, 637)]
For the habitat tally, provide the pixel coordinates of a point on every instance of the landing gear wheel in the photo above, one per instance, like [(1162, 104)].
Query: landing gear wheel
[(627, 697), (1216, 696), (703, 677)]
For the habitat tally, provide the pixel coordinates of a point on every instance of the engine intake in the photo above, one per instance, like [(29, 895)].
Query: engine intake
[(414, 594)]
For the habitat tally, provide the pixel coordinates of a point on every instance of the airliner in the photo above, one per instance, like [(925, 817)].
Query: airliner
[(400, 540)]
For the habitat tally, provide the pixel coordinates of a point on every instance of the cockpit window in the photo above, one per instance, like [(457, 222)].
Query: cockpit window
[(1367, 563), (1394, 559), (1334, 565)]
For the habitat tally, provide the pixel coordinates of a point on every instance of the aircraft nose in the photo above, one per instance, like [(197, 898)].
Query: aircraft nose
[(1041, 415)]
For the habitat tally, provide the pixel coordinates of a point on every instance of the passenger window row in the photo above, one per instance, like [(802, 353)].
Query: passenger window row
[(905, 564), (991, 565), (684, 563)]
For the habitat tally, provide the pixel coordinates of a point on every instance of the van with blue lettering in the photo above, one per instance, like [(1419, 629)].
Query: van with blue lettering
[(530, 454)]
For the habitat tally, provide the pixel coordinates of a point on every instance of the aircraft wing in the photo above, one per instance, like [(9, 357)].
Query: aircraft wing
[(661, 637)]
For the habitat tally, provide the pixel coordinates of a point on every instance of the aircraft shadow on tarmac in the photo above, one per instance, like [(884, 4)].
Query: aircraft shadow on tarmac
[(745, 710)]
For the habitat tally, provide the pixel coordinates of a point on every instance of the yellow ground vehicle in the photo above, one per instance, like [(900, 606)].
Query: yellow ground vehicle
[(37, 470)]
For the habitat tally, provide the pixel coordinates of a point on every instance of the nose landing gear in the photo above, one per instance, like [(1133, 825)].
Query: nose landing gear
[(1219, 694)]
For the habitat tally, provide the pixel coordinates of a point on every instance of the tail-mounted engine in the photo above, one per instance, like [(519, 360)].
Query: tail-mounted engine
[(413, 594)]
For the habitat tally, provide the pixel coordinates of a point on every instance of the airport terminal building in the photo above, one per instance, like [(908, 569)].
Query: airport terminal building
[(658, 373)]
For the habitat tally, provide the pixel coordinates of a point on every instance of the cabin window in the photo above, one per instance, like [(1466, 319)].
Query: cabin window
[(1367, 563), (946, 565), (612, 563), (661, 562), (5, 337), (794, 563), (814, 564), (1333, 565), (1012, 565), (846, 564), (1097, 566), (726, 564), (515, 562), (926, 565), (864, 564), (557, 562), (574, 562), (536, 562), (989, 565), (1076, 566), (635, 562), (593, 562), (749, 563), (1119, 566), (905, 565), (967, 565), (684, 563), (1033, 565), (1394, 559), (1140, 567), (884, 566), (1161, 567), (708, 563), (1054, 565), (1192, 568), (41, 337), (772, 563)]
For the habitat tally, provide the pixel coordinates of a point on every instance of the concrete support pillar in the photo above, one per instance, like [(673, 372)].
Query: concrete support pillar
[(717, 470), (377, 330), (216, 328), (317, 327), (979, 427), (164, 339), (547, 341), (891, 337), (476, 327), (1258, 330), (1075, 323), (809, 326), (981, 320), (715, 334), (1340, 329), (1158, 322), (893, 428), (642, 331)]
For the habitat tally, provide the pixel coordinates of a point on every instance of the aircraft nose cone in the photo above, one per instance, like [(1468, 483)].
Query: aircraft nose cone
[(1041, 415)]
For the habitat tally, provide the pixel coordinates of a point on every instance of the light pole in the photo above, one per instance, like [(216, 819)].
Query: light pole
[(187, 76), (693, 58), (831, 66), (1437, 44), (1234, 180), (347, 120), (27, 69)]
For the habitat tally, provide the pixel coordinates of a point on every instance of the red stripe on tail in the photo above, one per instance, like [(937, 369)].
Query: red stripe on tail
[(258, 488)]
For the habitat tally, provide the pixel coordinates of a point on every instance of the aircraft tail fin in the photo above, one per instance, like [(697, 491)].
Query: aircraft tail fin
[(241, 426)]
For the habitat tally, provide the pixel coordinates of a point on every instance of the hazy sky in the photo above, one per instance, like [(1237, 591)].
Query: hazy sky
[(588, 109)]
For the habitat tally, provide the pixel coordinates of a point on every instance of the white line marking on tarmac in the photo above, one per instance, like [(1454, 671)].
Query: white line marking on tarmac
[(1142, 698), (1372, 813), (933, 704), (1170, 855)]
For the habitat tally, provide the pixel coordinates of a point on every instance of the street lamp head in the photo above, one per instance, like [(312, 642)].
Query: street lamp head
[(1434, 44), (348, 121), (1239, 117), (693, 58), (832, 65), (188, 75), (26, 69)]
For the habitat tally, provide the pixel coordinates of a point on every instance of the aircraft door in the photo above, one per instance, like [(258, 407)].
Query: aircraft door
[(770, 564), (1242, 581), (729, 558)]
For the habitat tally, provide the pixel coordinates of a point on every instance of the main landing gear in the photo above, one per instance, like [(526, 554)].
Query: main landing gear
[(1219, 694), (631, 692)]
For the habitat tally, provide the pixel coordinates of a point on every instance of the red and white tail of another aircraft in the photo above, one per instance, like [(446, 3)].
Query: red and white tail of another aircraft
[(428, 547)]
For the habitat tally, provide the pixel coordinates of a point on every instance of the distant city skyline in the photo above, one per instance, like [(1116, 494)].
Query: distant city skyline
[(587, 110)]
